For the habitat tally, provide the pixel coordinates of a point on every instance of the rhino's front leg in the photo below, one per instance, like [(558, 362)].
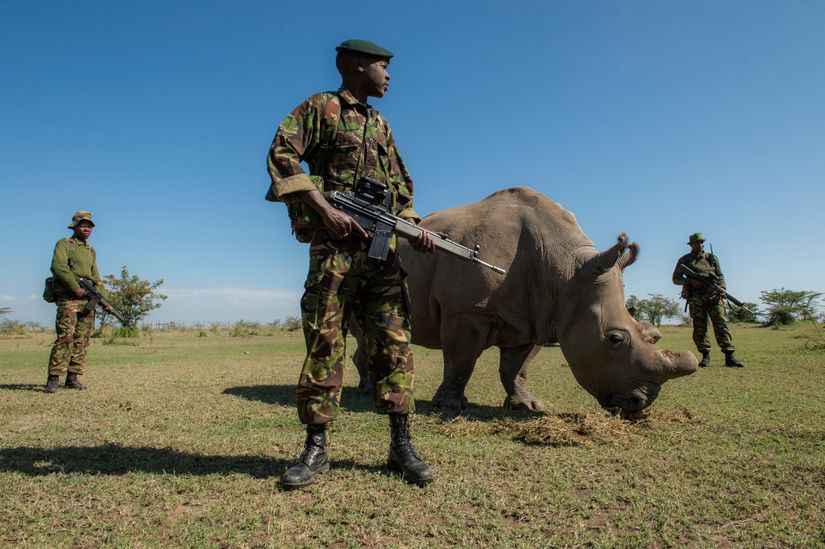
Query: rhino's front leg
[(462, 344), (513, 372)]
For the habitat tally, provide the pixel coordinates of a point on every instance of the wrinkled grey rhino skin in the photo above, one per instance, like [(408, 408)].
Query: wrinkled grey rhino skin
[(557, 288)]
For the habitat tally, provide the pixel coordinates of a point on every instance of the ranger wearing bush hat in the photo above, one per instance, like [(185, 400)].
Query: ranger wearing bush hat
[(73, 258), (341, 138), (703, 304)]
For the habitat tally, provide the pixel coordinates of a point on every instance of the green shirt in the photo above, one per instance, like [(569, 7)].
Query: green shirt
[(74, 259)]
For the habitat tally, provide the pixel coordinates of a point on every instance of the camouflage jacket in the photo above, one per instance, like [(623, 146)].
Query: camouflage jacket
[(702, 263), (363, 144), (73, 258)]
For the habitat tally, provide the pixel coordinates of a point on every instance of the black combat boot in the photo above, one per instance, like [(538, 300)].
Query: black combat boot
[(731, 362), (72, 382), (52, 384), (705, 362), (313, 459), (403, 458)]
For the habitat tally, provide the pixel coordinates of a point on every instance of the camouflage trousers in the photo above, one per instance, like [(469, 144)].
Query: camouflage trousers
[(700, 309), (74, 327), (343, 281)]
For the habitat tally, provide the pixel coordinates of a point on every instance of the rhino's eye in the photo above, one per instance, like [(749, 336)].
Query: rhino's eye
[(615, 338)]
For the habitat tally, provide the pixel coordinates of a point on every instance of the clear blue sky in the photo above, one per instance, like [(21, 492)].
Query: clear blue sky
[(654, 118)]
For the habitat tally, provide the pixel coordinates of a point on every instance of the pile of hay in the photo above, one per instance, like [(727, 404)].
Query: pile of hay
[(582, 428)]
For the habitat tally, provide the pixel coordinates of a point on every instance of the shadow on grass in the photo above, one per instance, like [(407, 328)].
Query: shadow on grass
[(114, 459), (354, 400), (22, 387)]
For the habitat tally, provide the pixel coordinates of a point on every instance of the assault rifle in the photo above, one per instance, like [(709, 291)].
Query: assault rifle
[(370, 204), (95, 299), (711, 284)]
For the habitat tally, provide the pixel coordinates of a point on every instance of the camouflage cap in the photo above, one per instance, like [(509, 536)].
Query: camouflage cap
[(696, 237), (363, 46), (82, 215)]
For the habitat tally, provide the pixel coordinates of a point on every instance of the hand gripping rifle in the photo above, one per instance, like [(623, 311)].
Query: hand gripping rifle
[(95, 299), (369, 205), (711, 283)]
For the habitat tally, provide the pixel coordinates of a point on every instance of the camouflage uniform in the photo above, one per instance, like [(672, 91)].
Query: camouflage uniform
[(72, 258), (74, 327), (703, 304), (341, 277)]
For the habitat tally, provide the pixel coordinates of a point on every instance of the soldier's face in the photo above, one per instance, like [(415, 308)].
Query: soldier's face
[(83, 230), (376, 76), (696, 247)]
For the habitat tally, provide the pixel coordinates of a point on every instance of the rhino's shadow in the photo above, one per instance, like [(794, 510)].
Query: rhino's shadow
[(354, 400)]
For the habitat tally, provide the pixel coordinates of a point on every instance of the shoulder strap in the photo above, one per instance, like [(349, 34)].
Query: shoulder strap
[(72, 245)]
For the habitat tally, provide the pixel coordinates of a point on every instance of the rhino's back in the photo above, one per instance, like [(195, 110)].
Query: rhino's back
[(518, 229)]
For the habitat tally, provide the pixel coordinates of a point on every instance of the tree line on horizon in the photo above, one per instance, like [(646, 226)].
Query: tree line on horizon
[(136, 298), (781, 308)]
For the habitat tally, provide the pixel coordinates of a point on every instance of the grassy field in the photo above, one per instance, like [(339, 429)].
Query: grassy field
[(180, 440)]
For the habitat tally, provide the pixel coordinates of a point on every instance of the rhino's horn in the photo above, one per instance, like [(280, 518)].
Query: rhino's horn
[(604, 261)]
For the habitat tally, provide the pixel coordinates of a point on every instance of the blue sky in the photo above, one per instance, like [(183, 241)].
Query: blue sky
[(654, 118)]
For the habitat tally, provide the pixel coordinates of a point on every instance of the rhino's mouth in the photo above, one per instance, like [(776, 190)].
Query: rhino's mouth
[(636, 400)]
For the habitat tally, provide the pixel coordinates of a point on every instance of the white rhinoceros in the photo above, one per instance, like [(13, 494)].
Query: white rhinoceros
[(557, 288)]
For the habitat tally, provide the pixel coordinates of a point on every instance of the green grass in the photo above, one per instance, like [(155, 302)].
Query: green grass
[(180, 440)]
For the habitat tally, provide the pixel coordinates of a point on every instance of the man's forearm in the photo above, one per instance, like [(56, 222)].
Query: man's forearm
[(316, 201)]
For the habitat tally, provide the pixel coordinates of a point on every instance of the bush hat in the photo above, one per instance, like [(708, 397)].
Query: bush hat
[(696, 237), (82, 215)]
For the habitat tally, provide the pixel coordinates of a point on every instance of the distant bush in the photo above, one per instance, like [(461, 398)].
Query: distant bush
[(740, 314), (292, 323), (12, 327), (244, 328), (15, 327)]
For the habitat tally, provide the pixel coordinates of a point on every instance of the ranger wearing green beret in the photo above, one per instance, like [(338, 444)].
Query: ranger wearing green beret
[(703, 304), (341, 138), (73, 258)]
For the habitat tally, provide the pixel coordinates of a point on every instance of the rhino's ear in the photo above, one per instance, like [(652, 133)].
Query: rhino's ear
[(604, 261), (628, 258)]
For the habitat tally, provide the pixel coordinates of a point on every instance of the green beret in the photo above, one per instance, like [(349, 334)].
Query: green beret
[(696, 237), (365, 47)]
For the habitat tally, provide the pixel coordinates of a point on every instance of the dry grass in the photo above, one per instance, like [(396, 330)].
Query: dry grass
[(180, 440)]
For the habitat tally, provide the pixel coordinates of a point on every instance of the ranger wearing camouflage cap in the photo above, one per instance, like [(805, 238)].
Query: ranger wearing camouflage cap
[(703, 304), (341, 138), (73, 258)]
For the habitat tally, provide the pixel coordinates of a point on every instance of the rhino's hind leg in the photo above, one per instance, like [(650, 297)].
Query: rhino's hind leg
[(462, 344), (513, 372)]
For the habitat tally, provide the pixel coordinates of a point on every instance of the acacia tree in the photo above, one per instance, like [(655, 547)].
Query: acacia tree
[(5, 310), (654, 309), (786, 306), (133, 297)]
